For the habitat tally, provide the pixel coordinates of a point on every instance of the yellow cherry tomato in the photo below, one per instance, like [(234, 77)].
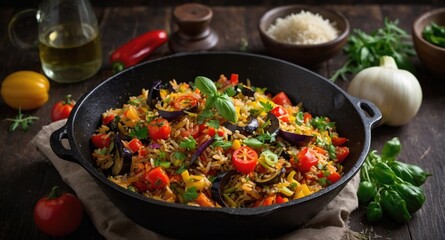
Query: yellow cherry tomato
[(25, 90)]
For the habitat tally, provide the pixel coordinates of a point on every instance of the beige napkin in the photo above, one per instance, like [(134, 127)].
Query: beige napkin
[(330, 223)]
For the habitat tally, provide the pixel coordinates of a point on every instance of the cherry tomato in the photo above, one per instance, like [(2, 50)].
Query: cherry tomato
[(281, 99), (58, 214), (280, 113), (245, 159), (159, 128), (280, 199), (141, 186), (157, 178), (135, 144), (101, 140), (334, 177), (234, 79), (107, 119), (62, 109), (307, 117), (194, 131), (338, 141), (185, 102), (341, 153), (306, 159)]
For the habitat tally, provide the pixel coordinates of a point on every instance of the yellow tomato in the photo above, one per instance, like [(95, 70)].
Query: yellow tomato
[(25, 90)]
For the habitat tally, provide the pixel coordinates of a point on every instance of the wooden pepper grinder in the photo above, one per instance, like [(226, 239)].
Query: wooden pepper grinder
[(194, 33)]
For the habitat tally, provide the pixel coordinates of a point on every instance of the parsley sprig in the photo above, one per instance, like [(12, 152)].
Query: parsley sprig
[(22, 121), (364, 50)]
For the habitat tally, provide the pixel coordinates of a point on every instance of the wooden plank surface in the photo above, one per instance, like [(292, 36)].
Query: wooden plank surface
[(26, 175)]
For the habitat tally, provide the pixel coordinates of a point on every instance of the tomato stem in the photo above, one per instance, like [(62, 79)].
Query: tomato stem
[(68, 99), (55, 193)]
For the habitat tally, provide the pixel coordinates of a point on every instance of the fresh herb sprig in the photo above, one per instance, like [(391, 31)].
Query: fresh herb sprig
[(22, 121), (434, 34), (364, 50), (222, 102)]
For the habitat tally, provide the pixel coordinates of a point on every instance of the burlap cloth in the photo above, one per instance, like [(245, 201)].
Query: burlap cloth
[(330, 223)]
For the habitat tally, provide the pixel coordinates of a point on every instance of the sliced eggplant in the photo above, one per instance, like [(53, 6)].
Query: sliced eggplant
[(154, 93), (245, 90), (295, 139), (246, 130), (200, 150), (272, 178), (170, 115), (274, 124), (122, 158), (218, 186)]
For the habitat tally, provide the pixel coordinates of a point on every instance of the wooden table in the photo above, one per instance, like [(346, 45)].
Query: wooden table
[(26, 175)]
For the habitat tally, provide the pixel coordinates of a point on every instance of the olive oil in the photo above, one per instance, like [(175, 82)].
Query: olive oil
[(70, 52)]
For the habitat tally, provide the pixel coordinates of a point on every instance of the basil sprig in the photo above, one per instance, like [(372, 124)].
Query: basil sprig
[(222, 102)]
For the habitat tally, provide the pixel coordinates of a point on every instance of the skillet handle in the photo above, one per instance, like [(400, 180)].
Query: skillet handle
[(57, 146), (370, 112)]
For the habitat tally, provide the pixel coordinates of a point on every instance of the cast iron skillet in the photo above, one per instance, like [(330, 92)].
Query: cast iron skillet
[(354, 119)]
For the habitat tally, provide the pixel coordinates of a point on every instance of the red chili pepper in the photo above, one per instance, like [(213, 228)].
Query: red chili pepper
[(137, 49)]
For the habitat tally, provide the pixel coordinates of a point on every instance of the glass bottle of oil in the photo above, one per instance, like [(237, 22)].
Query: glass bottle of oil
[(69, 40)]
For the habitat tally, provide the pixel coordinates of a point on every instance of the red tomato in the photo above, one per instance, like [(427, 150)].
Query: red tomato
[(141, 186), (58, 214), (101, 140), (157, 178), (307, 117), (280, 113), (185, 102), (159, 128), (135, 144), (280, 199), (62, 109), (107, 119), (234, 79), (281, 99), (338, 141), (306, 159), (341, 153), (268, 200), (334, 177), (245, 159)]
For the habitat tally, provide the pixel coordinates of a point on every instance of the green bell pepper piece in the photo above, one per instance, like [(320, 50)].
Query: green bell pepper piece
[(413, 195), (366, 191), (391, 149), (395, 206), (383, 173), (374, 212)]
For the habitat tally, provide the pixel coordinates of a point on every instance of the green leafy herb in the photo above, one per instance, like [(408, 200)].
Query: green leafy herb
[(222, 102), (220, 142), (139, 132), (231, 91), (267, 107), (266, 137), (22, 121), (435, 34), (204, 115), (321, 123), (188, 143), (226, 108), (365, 50), (190, 194), (213, 123)]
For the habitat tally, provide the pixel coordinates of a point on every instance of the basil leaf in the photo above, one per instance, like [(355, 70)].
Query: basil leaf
[(226, 108), (210, 102), (206, 86)]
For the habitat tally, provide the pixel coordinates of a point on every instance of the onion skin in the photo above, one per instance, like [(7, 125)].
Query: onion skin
[(396, 92)]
